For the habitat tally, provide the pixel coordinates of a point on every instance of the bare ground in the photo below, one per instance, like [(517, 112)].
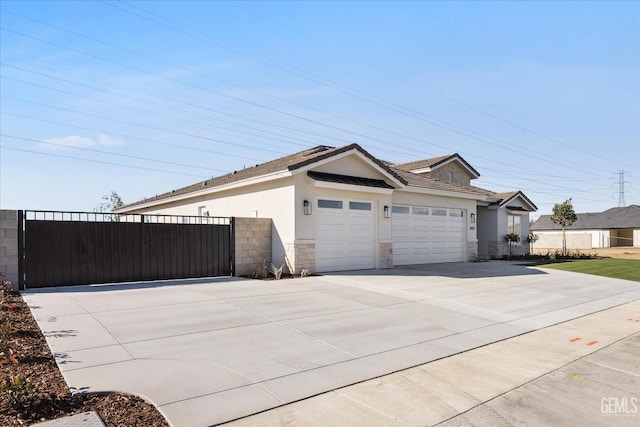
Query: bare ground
[(619, 252)]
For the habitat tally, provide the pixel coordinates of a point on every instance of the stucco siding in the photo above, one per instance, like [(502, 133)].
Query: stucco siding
[(352, 165), (487, 228), (273, 199)]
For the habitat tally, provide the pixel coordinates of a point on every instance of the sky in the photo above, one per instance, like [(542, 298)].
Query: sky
[(145, 97)]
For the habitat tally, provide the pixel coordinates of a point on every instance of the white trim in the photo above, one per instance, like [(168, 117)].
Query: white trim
[(207, 190), (421, 170), (446, 193), (371, 163), (452, 159), (516, 196)]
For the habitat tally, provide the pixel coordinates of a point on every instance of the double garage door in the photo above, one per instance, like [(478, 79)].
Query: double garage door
[(424, 235), (346, 235)]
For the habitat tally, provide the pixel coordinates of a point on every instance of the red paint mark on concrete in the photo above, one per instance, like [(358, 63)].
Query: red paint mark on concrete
[(575, 339), (592, 342)]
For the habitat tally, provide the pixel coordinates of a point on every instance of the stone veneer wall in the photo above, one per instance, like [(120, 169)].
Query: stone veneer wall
[(498, 249), (301, 256), (253, 245), (386, 255), (9, 245), (472, 251)]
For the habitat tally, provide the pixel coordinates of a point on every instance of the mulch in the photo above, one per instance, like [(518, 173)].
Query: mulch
[(32, 387)]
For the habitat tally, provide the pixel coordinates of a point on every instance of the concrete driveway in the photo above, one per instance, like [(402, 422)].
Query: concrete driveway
[(210, 351)]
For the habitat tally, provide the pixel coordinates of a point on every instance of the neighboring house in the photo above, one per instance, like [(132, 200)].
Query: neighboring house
[(613, 227), (342, 209)]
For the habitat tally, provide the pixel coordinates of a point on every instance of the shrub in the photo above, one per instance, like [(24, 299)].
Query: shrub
[(276, 271)]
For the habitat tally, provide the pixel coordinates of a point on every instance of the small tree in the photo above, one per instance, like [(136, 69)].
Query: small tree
[(511, 238), (564, 216), (531, 239), (110, 202)]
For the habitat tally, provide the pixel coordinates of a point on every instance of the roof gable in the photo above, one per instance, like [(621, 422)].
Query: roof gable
[(431, 164), (505, 198), (512, 198)]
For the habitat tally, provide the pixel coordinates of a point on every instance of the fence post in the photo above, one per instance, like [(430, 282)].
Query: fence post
[(21, 250), (232, 245)]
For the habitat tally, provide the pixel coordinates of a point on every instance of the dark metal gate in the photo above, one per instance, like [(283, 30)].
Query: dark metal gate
[(79, 248)]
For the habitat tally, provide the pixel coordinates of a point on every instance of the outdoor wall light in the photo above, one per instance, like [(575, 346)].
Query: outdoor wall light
[(307, 207), (473, 218), (387, 212)]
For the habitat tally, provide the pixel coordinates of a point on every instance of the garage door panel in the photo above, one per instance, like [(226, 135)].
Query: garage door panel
[(422, 237), (345, 238)]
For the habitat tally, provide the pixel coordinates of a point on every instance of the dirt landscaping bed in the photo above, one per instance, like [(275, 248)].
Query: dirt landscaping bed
[(32, 387), (620, 252)]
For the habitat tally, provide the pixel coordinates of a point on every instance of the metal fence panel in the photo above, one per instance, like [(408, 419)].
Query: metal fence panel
[(78, 248)]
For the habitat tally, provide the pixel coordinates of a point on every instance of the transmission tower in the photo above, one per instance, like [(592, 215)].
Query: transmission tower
[(621, 182)]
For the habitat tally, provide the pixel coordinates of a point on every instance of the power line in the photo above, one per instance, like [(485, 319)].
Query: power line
[(111, 154), (4, 147), (464, 132), (365, 135), (106, 132), (352, 56)]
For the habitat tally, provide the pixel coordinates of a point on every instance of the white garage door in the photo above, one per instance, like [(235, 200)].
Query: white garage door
[(345, 237), (424, 235)]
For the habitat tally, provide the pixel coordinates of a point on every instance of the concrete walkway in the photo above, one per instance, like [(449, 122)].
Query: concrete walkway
[(211, 351), (583, 372)]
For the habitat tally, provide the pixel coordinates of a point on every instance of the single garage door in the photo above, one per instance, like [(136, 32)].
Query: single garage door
[(424, 235), (345, 235)]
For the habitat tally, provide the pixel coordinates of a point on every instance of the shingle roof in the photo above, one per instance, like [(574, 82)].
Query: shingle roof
[(627, 217), (421, 181), (433, 162), (313, 155), (503, 197), (286, 163)]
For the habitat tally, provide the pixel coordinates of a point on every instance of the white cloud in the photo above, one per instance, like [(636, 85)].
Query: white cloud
[(75, 141), (107, 141)]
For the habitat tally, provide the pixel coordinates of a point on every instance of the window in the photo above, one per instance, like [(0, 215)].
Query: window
[(514, 224), (455, 212), (439, 212), (330, 204), (421, 211), (360, 206), (400, 209)]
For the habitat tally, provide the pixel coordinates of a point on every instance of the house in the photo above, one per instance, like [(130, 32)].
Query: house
[(613, 227), (340, 208)]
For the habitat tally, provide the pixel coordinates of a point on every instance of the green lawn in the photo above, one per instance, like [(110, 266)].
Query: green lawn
[(628, 269)]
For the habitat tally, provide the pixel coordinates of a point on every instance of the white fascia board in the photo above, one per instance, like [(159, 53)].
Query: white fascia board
[(211, 190), (421, 170), (445, 193), (352, 187), (345, 154)]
